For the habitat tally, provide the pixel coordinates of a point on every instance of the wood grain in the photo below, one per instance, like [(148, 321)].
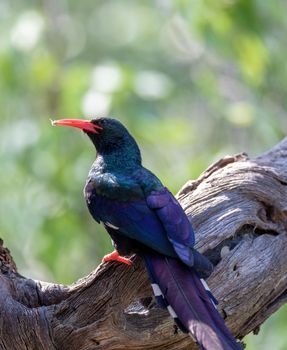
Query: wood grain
[(239, 212)]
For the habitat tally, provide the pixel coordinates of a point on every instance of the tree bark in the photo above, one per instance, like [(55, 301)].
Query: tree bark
[(239, 213)]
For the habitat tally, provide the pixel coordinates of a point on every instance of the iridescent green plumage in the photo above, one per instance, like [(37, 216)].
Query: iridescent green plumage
[(142, 216)]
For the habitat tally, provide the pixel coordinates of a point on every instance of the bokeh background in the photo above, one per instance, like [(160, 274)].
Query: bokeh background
[(192, 80)]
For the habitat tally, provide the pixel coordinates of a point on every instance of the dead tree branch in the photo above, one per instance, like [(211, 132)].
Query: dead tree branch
[(239, 212)]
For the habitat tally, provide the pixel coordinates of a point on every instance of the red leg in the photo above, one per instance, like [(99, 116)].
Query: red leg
[(115, 256)]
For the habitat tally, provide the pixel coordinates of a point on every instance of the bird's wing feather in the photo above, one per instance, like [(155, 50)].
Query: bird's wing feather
[(175, 222), (155, 218), (133, 218)]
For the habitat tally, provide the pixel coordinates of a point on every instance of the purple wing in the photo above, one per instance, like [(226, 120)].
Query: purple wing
[(133, 219), (159, 222), (175, 222)]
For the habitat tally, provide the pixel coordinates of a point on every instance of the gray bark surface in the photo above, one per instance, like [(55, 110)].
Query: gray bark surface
[(239, 213)]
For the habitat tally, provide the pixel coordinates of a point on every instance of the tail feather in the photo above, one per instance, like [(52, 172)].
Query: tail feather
[(208, 291), (159, 296), (189, 302)]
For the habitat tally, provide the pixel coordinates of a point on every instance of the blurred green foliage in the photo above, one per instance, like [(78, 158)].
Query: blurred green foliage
[(192, 80)]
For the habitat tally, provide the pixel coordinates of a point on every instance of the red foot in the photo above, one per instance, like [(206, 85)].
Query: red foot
[(115, 256)]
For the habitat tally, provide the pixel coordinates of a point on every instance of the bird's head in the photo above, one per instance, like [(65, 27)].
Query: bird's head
[(107, 134)]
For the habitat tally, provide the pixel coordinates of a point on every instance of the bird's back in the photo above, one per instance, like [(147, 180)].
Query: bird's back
[(118, 200)]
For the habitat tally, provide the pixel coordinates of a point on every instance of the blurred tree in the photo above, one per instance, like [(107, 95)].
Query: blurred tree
[(191, 80)]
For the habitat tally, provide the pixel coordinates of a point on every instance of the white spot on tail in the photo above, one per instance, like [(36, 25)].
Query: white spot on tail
[(205, 285), (192, 337), (171, 312), (111, 225), (156, 290)]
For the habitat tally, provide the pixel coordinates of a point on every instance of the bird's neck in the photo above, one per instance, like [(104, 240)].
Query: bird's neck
[(117, 161)]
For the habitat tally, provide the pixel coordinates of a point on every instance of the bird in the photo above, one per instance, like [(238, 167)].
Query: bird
[(143, 217)]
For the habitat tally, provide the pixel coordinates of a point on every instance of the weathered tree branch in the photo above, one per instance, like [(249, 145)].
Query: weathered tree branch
[(239, 212)]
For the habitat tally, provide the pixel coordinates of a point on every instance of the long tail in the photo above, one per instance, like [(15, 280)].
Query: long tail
[(189, 301)]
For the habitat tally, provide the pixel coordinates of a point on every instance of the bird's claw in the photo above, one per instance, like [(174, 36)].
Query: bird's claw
[(115, 256)]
